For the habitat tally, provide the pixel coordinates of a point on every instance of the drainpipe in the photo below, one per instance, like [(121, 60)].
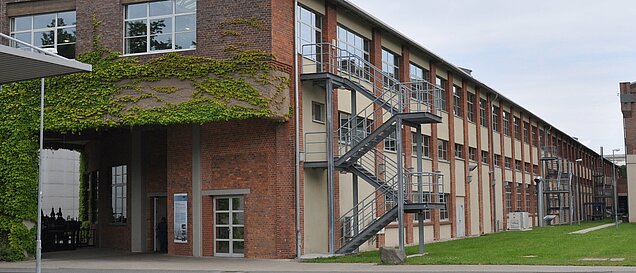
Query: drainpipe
[(297, 134)]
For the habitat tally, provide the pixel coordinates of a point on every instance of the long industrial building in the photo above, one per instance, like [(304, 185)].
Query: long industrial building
[(376, 140)]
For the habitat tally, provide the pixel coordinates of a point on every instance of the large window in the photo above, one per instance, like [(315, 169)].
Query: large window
[(506, 123), (470, 111), (519, 196), (419, 77), (443, 212), (349, 131), (426, 144), (442, 149), (458, 108), (485, 157), (517, 123), (526, 132), (472, 153), (160, 26), (390, 143), (309, 32), (508, 196), (390, 68), (118, 193), (459, 150), (495, 119), (54, 31), (357, 52), (440, 94), (483, 113)]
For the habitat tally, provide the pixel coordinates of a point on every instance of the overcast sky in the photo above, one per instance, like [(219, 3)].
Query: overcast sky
[(562, 60)]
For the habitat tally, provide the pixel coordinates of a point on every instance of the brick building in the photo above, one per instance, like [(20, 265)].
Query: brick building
[(628, 99), (387, 143)]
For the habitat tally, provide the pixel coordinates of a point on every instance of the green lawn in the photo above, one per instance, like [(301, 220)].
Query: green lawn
[(541, 246)]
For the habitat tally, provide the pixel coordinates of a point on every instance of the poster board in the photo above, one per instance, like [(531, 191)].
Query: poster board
[(180, 218)]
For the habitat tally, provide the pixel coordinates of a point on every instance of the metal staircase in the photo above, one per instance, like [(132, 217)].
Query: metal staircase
[(392, 103), (557, 188)]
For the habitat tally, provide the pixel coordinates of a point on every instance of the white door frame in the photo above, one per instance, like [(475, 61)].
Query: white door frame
[(230, 225)]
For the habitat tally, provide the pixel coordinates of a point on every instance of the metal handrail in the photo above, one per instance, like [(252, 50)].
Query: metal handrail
[(32, 47)]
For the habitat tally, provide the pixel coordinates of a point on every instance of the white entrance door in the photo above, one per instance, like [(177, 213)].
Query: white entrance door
[(229, 226), (461, 226)]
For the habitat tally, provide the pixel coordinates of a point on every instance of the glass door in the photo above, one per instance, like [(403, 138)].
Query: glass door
[(229, 239)]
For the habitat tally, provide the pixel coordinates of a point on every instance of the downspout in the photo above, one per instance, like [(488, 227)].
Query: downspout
[(297, 128)]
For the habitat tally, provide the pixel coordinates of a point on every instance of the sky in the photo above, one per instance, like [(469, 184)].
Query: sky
[(560, 59)]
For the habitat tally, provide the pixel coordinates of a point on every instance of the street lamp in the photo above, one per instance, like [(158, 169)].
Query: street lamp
[(578, 189), (614, 182)]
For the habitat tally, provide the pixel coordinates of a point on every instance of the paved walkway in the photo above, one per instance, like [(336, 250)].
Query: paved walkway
[(583, 231), (101, 260)]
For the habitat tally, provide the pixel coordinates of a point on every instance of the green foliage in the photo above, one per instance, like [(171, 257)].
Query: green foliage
[(108, 97)]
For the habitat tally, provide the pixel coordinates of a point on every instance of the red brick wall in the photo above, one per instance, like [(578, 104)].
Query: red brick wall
[(153, 175), (115, 150), (261, 160), (179, 180)]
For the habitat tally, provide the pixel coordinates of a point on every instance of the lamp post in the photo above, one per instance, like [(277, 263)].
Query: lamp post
[(578, 189), (614, 184)]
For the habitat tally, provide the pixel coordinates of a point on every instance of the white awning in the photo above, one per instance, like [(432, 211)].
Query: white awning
[(19, 64)]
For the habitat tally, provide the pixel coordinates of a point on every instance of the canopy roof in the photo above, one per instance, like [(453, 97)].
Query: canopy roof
[(19, 64)]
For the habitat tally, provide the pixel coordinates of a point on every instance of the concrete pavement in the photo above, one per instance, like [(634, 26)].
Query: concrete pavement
[(102, 260)]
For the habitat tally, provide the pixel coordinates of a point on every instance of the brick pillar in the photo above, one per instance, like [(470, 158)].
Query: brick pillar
[(435, 158), (407, 142), (480, 182), (376, 60), (467, 208), (491, 167), (452, 202)]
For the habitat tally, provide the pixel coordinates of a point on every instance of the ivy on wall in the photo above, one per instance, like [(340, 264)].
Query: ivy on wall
[(113, 95)]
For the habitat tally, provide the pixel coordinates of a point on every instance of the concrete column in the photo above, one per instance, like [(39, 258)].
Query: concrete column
[(197, 248), (137, 196)]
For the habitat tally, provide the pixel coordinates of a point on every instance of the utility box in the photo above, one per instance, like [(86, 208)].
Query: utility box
[(518, 220)]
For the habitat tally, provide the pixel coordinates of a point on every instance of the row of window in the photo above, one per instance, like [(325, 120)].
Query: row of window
[(354, 57), (157, 26), (519, 193)]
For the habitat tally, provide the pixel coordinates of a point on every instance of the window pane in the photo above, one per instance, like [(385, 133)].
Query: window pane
[(238, 247), (161, 42), (136, 45), (185, 6), (25, 37), (160, 8), (222, 204), (136, 11), (185, 23), (161, 26), (66, 18), (237, 233), (43, 38), (237, 204), (223, 218), (136, 28), (44, 21), (21, 23), (66, 35), (237, 218), (223, 233), (185, 40), (222, 247)]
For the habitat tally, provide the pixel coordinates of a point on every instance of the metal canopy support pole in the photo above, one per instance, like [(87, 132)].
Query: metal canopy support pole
[(400, 181), (38, 251), (420, 190), (330, 168)]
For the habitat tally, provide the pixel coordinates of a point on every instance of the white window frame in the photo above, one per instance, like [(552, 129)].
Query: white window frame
[(54, 29), (119, 179), (318, 117), (148, 18)]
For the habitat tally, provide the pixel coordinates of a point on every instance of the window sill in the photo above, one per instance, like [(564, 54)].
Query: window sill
[(318, 121), (157, 52)]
